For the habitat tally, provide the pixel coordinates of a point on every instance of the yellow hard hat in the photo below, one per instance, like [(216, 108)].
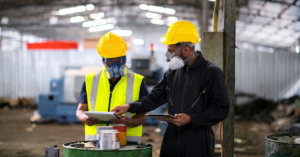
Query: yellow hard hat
[(111, 45), (181, 31)]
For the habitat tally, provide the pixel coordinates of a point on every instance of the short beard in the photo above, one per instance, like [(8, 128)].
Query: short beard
[(182, 56)]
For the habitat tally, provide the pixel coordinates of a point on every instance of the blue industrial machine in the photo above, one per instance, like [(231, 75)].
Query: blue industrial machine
[(53, 105), (61, 102)]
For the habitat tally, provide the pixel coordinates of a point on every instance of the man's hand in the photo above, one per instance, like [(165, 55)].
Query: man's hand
[(119, 110), (90, 121), (123, 120), (181, 119), (83, 117)]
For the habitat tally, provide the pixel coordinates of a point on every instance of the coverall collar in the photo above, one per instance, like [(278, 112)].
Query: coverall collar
[(199, 60)]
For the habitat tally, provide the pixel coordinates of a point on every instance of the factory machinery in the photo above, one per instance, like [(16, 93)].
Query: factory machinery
[(60, 103)]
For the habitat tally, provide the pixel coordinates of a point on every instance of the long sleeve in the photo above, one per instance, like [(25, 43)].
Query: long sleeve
[(220, 104), (156, 98)]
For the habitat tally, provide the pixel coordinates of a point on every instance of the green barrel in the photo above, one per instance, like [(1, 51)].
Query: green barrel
[(282, 145), (129, 150)]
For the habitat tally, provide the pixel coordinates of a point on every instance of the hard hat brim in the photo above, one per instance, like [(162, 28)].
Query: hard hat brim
[(165, 41)]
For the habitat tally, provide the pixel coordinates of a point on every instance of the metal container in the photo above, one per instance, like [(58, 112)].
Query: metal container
[(282, 145), (109, 139), (99, 129), (129, 150), (122, 129)]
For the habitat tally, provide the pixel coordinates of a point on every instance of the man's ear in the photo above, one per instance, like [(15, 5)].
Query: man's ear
[(186, 49), (103, 62)]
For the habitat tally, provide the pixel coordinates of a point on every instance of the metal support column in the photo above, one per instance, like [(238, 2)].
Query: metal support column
[(204, 20), (205, 15), (229, 16)]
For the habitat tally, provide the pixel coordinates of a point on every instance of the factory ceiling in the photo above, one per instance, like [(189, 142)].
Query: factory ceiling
[(273, 23)]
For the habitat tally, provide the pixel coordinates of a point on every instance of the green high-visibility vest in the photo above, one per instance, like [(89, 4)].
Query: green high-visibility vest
[(127, 90)]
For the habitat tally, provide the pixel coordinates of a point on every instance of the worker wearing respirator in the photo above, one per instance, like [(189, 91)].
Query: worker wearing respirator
[(195, 91), (112, 86)]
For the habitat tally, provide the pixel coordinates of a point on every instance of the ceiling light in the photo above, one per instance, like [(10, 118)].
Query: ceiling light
[(101, 28), (53, 20), (94, 23), (156, 9), (212, 0), (172, 18), (4, 20), (169, 11), (153, 15), (76, 9), (143, 6), (122, 32), (76, 19), (297, 49), (66, 11), (80, 8), (90, 7), (97, 15), (157, 21), (138, 41)]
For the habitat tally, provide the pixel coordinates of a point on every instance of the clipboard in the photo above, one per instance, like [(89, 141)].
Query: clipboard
[(103, 116), (160, 117)]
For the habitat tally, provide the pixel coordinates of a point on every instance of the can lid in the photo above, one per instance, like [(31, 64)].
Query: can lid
[(104, 127), (112, 130), (116, 131), (109, 131), (119, 125), (106, 130)]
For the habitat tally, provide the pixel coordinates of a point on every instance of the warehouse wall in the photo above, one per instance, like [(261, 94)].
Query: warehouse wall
[(28, 73), (268, 75)]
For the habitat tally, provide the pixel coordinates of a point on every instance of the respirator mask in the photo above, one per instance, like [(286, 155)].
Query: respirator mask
[(175, 62), (116, 67)]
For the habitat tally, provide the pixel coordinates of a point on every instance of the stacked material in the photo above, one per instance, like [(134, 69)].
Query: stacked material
[(111, 137), (99, 129)]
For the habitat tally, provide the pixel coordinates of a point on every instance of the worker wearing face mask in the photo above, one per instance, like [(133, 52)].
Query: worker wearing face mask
[(112, 86), (195, 91)]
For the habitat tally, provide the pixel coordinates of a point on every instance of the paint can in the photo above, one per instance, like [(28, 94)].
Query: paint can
[(109, 140), (99, 129), (117, 137), (122, 129)]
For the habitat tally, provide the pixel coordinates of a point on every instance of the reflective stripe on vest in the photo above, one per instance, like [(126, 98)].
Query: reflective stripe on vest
[(100, 92), (129, 89), (95, 89)]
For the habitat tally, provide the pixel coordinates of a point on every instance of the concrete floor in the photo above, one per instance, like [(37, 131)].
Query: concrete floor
[(18, 138)]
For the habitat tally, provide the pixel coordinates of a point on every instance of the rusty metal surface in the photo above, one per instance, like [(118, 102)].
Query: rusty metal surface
[(229, 16), (282, 145), (213, 47), (216, 15)]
